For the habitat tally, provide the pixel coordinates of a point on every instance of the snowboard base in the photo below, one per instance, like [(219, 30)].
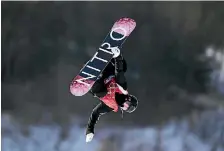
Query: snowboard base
[(79, 88), (88, 75)]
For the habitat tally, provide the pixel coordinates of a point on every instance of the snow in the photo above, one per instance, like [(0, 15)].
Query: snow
[(173, 136), (217, 56)]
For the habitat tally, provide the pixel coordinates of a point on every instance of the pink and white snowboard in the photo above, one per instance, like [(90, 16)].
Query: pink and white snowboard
[(88, 75)]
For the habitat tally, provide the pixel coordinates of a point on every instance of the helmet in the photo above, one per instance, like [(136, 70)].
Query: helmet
[(130, 103)]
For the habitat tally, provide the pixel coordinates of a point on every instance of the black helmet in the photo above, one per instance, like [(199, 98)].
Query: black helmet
[(130, 104)]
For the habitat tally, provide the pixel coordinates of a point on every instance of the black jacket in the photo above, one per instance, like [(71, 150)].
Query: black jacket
[(116, 67)]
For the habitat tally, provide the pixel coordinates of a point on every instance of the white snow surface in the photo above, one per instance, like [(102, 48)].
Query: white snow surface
[(173, 136)]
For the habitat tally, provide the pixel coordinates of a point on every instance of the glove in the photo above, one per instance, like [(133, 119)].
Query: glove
[(89, 137), (116, 51), (89, 134)]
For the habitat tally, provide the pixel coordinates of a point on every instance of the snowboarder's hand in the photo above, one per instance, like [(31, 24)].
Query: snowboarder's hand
[(116, 51), (89, 137)]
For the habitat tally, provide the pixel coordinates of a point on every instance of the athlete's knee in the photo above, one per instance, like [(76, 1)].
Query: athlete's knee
[(98, 86)]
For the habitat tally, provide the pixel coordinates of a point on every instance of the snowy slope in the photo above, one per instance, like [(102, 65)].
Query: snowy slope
[(174, 136)]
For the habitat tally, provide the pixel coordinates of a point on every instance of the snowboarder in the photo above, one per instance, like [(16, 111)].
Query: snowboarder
[(111, 89)]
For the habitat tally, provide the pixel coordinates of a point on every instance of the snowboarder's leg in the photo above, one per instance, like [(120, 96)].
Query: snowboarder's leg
[(99, 89)]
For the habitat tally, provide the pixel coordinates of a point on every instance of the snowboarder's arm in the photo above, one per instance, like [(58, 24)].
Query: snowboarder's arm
[(99, 110), (120, 69)]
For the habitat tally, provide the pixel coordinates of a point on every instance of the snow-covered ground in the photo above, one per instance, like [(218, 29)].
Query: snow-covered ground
[(173, 136)]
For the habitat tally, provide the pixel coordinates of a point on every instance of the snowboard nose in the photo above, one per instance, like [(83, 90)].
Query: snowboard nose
[(124, 26), (79, 88)]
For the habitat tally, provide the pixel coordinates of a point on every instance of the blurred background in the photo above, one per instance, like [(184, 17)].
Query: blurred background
[(175, 67)]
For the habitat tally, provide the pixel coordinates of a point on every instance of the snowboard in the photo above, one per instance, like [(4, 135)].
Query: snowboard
[(91, 71)]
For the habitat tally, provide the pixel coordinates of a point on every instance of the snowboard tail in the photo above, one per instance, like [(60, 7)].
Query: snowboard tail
[(91, 71)]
